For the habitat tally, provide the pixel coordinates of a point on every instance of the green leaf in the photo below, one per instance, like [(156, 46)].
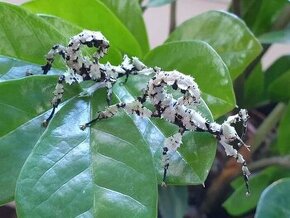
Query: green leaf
[(273, 75), (279, 89), (226, 33), (265, 13), (95, 172), (276, 77), (283, 133), (278, 68), (21, 124), (199, 60), (275, 200), (11, 68), (173, 195), (238, 203), (255, 84), (93, 15), (282, 36), (157, 3), (29, 38), (130, 13)]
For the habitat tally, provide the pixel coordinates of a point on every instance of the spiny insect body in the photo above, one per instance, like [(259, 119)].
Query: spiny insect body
[(176, 111)]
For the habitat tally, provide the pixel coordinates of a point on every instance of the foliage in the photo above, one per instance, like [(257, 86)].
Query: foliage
[(114, 168)]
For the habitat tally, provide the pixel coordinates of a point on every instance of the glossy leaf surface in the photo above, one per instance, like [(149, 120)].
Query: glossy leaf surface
[(27, 39), (173, 201), (94, 172), (226, 33), (93, 15), (277, 69), (282, 36), (199, 60), (130, 13), (265, 13), (11, 68), (238, 203), (275, 200), (23, 104)]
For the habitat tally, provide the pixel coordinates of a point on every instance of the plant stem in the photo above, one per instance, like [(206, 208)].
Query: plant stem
[(172, 23), (269, 123), (283, 161), (236, 5)]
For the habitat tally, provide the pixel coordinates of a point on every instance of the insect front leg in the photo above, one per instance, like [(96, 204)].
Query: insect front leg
[(134, 107), (59, 90), (55, 50), (58, 93), (230, 151), (170, 146)]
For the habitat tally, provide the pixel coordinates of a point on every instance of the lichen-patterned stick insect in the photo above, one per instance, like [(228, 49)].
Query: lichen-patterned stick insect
[(81, 68), (176, 111)]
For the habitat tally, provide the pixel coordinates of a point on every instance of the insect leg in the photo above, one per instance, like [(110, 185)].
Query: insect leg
[(170, 146), (55, 50), (58, 93), (230, 151), (134, 107)]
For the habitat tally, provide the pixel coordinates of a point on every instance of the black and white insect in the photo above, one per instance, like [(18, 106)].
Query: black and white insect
[(81, 68), (176, 111)]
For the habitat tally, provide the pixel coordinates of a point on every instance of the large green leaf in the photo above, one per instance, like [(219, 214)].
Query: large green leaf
[(130, 13), (277, 69), (96, 172), (279, 89), (173, 195), (255, 83), (264, 12), (199, 60), (283, 133), (93, 15), (275, 200), (275, 77), (238, 203), (282, 36), (11, 68), (24, 35), (226, 33), (23, 105)]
